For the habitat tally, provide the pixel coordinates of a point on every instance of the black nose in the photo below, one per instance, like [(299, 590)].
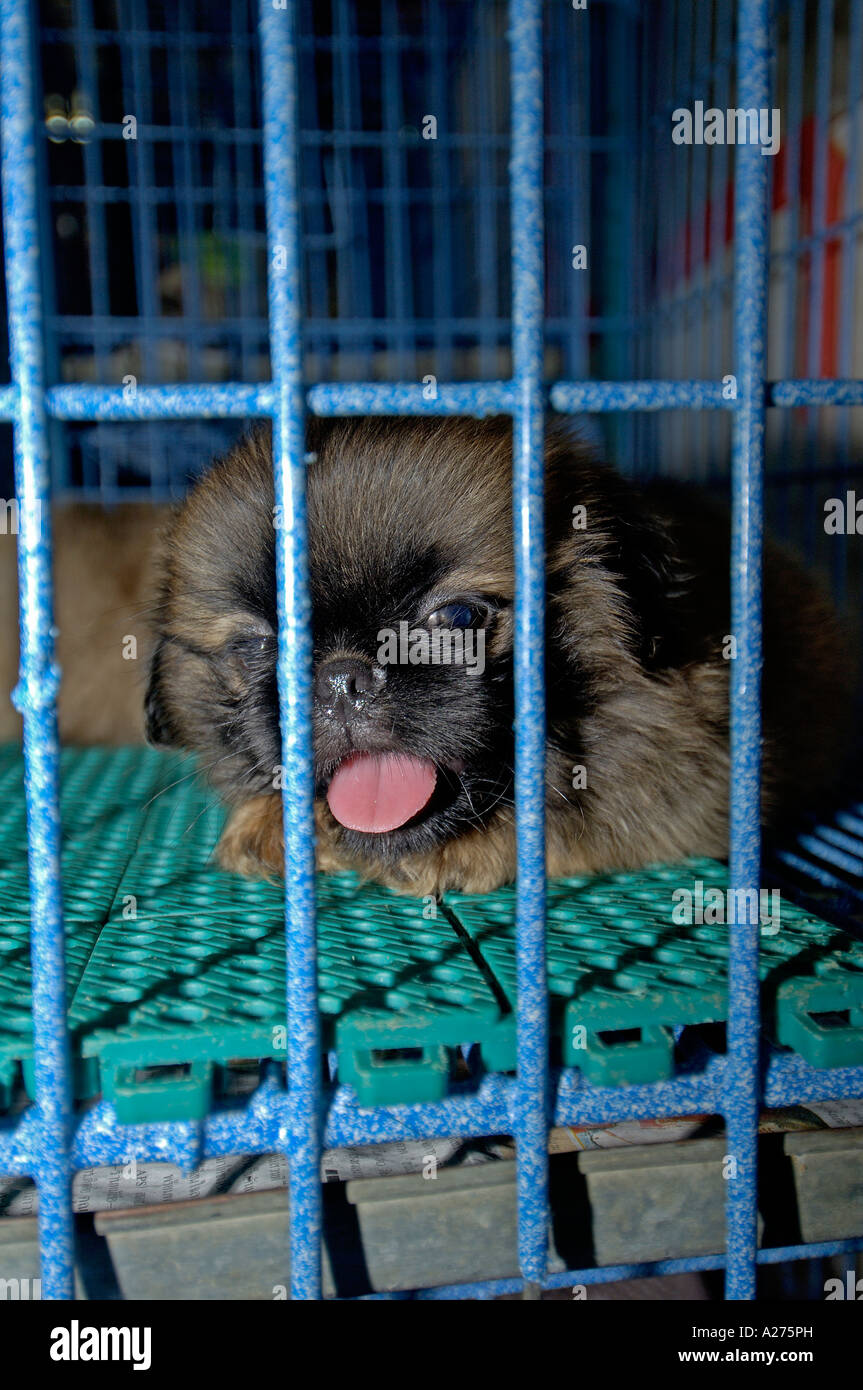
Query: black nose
[(345, 684)]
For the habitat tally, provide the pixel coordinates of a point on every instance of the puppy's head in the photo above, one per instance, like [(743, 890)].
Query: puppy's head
[(412, 584)]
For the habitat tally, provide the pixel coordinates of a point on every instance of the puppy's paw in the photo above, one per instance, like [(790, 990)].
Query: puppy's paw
[(252, 842)]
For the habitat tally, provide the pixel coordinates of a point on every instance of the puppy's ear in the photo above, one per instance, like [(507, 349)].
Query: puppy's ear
[(616, 578), (159, 726)]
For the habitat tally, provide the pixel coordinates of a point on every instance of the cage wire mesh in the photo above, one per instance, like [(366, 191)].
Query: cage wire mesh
[(815, 307), (156, 218), (153, 213), (154, 209)]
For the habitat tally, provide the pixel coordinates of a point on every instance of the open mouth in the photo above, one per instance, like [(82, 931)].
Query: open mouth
[(378, 792)]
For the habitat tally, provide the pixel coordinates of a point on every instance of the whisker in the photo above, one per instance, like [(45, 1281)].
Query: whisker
[(185, 778)]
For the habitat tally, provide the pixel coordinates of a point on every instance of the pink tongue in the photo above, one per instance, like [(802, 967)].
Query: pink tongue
[(380, 791)]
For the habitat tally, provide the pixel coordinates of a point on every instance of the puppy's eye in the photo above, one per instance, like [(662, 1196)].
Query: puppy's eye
[(453, 615), (247, 650)]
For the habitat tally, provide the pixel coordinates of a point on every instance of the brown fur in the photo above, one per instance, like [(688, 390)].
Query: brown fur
[(637, 618), (103, 584)]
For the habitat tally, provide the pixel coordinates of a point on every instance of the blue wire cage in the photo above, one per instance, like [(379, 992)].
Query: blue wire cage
[(476, 209)]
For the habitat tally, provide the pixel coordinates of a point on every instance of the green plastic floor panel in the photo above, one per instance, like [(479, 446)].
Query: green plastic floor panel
[(177, 969), (16, 1044), (623, 972), (168, 992), (104, 797)]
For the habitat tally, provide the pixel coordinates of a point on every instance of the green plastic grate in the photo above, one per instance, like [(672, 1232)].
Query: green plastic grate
[(167, 991), (176, 970), (104, 796), (189, 974), (623, 972)]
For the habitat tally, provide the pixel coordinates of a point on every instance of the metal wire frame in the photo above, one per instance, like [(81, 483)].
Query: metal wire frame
[(44, 1141), (357, 184), (684, 324)]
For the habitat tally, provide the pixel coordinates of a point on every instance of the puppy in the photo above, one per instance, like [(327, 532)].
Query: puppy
[(412, 588)]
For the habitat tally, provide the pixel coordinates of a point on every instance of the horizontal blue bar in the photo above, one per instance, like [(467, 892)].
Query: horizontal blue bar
[(611, 1274), (326, 139), (241, 400), (815, 392), (592, 396), (571, 396), (117, 328), (407, 398), (819, 1250), (568, 1278), (202, 401), (259, 1127)]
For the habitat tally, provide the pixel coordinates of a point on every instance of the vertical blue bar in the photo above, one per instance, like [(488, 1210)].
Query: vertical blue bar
[(486, 209), (816, 436), (140, 153), (842, 573), (443, 195), (699, 203), (96, 234), (679, 422), (792, 119), (526, 213), (36, 694), (144, 218), (398, 269), (281, 150), (851, 207), (348, 187), (750, 326), (716, 360), (181, 59), (820, 160), (246, 189)]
